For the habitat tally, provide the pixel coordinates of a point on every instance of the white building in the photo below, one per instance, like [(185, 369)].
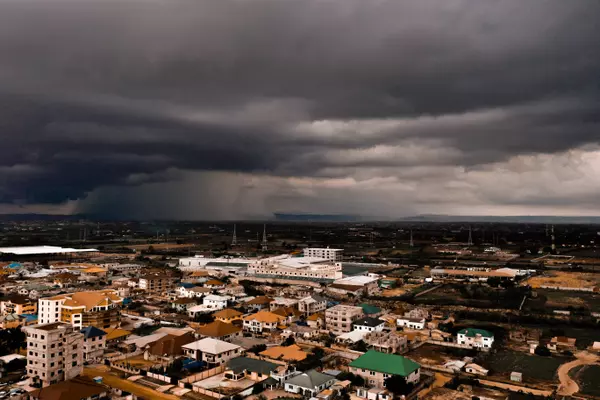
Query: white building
[(307, 268), (327, 253), (194, 292), (54, 352), (190, 264), (475, 338), (212, 351), (312, 304), (309, 383), (412, 323), (369, 324), (210, 303)]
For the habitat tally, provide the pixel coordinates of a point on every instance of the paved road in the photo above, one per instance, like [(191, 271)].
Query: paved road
[(568, 386), (113, 380)]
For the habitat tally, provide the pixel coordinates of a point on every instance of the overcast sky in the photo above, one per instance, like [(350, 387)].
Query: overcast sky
[(234, 109)]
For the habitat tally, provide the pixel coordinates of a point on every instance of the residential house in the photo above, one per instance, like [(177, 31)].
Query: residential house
[(316, 320), (210, 303), (212, 351), (192, 291), (168, 347), (262, 321), (11, 321), (309, 383), (156, 283), (559, 344), (339, 318), (411, 323), (374, 394), (369, 324), (117, 335), (279, 302), (219, 330), (182, 304), (94, 343), (214, 284), (228, 315), (312, 304), (376, 367), (78, 388), (476, 369), (64, 279), (475, 338), (259, 303), (249, 368), (290, 314)]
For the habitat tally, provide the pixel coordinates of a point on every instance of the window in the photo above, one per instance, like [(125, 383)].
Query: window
[(74, 364)]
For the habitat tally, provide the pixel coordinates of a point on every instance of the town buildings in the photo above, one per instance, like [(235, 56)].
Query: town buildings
[(369, 324), (156, 283), (94, 343), (99, 308), (309, 383), (262, 321), (18, 304), (219, 330), (54, 352), (312, 304), (339, 318), (307, 268)]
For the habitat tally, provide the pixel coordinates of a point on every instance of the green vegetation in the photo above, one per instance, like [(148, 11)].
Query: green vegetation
[(533, 367)]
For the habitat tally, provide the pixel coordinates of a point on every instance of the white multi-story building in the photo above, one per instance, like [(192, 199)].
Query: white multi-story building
[(94, 343), (369, 324), (190, 264), (212, 351), (327, 253), (475, 338), (54, 352), (339, 319), (306, 268), (210, 303), (312, 304)]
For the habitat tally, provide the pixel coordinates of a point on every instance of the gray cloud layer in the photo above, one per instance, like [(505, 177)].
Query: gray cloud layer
[(102, 94)]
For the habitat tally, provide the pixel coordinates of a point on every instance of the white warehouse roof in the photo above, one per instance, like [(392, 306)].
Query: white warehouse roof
[(32, 250)]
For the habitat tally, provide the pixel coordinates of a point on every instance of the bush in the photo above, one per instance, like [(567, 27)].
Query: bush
[(542, 351)]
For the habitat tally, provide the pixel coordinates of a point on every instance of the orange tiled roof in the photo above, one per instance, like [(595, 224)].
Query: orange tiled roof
[(217, 329), (264, 316), (227, 313), (286, 353)]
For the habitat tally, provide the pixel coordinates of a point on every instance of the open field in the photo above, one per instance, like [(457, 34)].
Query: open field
[(160, 246), (560, 299), (534, 368), (139, 362), (564, 279), (587, 377), (430, 354), (472, 295)]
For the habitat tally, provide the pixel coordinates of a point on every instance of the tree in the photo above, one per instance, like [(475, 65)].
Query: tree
[(360, 346), (257, 348), (288, 341), (542, 351), (356, 380), (204, 318), (397, 384)]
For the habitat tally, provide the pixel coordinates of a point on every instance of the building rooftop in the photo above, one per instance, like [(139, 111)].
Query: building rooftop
[(211, 345), (241, 364), (50, 327), (369, 321), (264, 316), (218, 329), (310, 379), (91, 332), (286, 353), (80, 387), (472, 332), (227, 313), (391, 364), (33, 250)]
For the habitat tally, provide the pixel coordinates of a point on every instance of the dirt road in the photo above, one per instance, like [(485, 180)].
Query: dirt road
[(515, 388), (568, 386), (113, 380)]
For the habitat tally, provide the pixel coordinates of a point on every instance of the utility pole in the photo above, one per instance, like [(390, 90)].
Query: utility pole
[(234, 239), (470, 242), (411, 244), (264, 238)]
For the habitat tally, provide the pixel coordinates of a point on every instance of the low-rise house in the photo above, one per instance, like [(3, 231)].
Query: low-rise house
[(373, 394), (312, 304), (418, 313), (282, 302), (249, 368), (369, 324), (375, 367), (562, 343), (214, 284), (212, 351), (219, 330), (79, 388), (94, 343), (168, 347), (228, 315), (262, 321), (355, 285), (289, 313), (291, 353), (351, 337), (316, 320), (411, 323), (309, 383), (300, 331), (516, 376), (455, 365), (18, 304), (182, 304), (475, 338), (216, 302), (11, 321), (259, 303), (117, 335), (476, 369), (193, 291)]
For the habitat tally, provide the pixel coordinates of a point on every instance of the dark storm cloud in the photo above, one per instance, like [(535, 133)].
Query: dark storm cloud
[(101, 93)]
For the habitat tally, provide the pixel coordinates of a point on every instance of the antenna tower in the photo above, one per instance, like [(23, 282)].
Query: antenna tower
[(411, 244), (470, 242), (264, 239), (553, 241), (234, 239)]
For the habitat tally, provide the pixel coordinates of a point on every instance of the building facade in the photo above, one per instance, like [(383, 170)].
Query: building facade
[(327, 253), (307, 268), (475, 338), (339, 318), (54, 352), (375, 367), (101, 308), (312, 304), (157, 284)]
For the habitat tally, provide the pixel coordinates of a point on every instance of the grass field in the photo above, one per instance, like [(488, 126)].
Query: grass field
[(534, 368), (560, 299), (588, 379), (565, 279)]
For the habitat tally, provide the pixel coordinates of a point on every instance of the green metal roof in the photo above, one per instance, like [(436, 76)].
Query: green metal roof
[(472, 332), (369, 309), (391, 364)]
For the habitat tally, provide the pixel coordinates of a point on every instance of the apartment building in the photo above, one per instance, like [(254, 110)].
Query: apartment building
[(312, 304), (339, 318), (94, 343), (327, 253), (54, 353), (158, 283), (100, 308), (18, 304)]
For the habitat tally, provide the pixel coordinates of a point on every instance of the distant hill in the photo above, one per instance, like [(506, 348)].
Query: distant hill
[(533, 219), (316, 217)]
